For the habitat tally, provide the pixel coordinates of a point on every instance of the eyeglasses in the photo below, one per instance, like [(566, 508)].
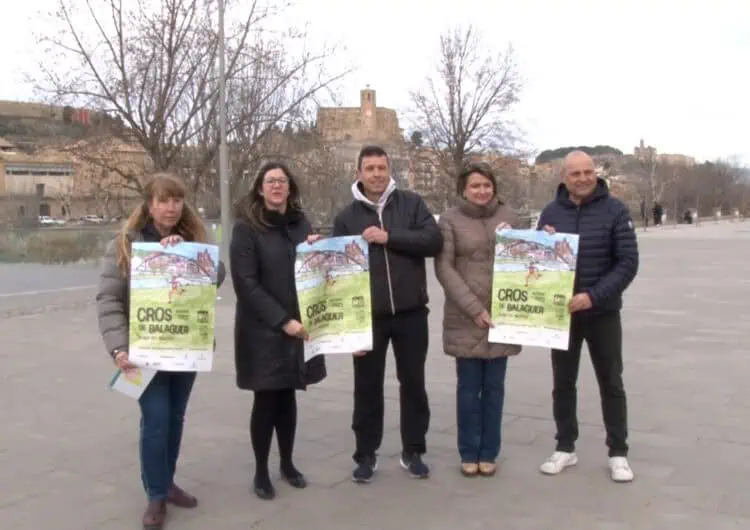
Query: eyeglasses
[(275, 181)]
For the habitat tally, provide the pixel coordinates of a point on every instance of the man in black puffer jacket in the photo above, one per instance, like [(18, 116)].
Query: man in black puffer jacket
[(607, 264), (401, 232)]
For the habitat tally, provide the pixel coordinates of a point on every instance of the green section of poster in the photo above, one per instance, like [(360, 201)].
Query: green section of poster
[(332, 277), (533, 279), (173, 306)]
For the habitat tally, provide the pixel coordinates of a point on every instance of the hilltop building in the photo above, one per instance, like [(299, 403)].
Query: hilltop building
[(367, 123)]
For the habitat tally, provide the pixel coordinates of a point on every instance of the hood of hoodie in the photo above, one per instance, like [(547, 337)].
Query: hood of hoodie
[(601, 191), (359, 195)]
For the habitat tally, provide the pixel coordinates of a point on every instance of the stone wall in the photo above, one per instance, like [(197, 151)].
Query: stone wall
[(387, 124), (342, 124)]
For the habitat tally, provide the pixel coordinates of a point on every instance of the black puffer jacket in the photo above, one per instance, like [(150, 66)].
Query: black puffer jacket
[(607, 246), (398, 280), (262, 268)]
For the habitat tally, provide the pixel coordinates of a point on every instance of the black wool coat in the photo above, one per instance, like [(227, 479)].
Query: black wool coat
[(262, 269)]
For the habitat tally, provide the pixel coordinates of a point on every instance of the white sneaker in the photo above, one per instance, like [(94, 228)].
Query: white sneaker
[(557, 462), (619, 469)]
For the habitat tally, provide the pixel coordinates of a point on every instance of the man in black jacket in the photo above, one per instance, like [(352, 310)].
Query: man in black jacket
[(607, 264), (401, 232)]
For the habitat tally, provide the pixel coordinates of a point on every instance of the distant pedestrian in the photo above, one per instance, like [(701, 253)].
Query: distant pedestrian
[(658, 213), (644, 213)]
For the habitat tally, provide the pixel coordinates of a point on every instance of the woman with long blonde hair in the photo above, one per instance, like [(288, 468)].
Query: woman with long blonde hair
[(163, 217)]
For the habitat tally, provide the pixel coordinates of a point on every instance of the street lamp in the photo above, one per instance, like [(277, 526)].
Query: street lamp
[(223, 163)]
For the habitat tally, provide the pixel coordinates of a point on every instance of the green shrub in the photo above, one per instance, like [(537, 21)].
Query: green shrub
[(53, 245)]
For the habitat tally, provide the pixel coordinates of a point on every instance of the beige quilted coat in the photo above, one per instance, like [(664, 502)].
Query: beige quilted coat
[(464, 269)]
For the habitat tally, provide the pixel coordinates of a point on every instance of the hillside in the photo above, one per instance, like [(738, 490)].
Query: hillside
[(549, 155), (30, 132)]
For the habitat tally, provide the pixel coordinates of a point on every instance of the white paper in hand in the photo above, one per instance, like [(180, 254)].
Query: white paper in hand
[(133, 383)]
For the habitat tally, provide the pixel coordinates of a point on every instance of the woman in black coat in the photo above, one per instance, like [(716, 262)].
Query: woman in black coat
[(268, 335)]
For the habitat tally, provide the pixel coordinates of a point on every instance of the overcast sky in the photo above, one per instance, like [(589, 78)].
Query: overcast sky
[(674, 72)]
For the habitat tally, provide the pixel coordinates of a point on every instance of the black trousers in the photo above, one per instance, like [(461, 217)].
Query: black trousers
[(603, 336), (410, 338)]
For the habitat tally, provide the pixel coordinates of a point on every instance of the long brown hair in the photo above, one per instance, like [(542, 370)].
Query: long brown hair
[(250, 208), (161, 186)]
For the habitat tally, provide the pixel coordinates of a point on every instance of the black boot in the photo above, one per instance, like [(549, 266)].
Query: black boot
[(263, 488)]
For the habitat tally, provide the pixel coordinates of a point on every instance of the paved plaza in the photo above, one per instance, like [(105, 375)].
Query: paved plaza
[(68, 446)]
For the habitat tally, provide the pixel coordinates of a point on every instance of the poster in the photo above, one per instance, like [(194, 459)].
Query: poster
[(173, 306), (532, 285), (332, 277), (132, 383)]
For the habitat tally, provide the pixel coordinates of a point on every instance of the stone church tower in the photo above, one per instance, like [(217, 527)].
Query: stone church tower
[(366, 123), (368, 109)]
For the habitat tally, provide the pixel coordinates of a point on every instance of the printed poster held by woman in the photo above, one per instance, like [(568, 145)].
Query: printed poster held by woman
[(163, 218)]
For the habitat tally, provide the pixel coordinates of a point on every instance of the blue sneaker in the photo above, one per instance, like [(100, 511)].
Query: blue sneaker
[(365, 470), (412, 462)]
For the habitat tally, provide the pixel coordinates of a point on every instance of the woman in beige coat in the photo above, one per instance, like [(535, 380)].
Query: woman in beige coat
[(464, 269)]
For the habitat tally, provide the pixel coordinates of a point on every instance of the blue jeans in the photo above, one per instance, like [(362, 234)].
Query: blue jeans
[(163, 405), (479, 402)]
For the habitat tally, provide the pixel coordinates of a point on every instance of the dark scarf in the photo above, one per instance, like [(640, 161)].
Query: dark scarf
[(281, 220), (151, 234)]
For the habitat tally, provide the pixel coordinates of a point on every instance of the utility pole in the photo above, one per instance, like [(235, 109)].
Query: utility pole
[(226, 219)]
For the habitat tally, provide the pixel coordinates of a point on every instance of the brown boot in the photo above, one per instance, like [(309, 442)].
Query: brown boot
[(181, 498), (153, 517)]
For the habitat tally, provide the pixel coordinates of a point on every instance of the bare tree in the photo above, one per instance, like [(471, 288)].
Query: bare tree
[(710, 186), (66, 193), (326, 182), (109, 162), (275, 90), (463, 110), (324, 171), (151, 67), (653, 176)]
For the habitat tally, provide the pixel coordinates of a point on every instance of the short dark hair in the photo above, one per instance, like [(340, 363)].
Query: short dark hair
[(463, 177), (371, 150)]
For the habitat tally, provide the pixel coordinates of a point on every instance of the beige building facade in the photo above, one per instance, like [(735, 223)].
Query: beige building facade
[(363, 124), (68, 182), (644, 152)]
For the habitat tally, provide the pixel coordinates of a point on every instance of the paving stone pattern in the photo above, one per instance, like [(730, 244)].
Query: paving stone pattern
[(68, 448)]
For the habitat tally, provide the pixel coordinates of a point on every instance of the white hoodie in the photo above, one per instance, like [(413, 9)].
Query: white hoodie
[(360, 196), (378, 206)]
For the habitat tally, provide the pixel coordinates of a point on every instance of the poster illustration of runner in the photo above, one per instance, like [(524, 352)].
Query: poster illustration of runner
[(173, 306), (333, 287), (532, 284)]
